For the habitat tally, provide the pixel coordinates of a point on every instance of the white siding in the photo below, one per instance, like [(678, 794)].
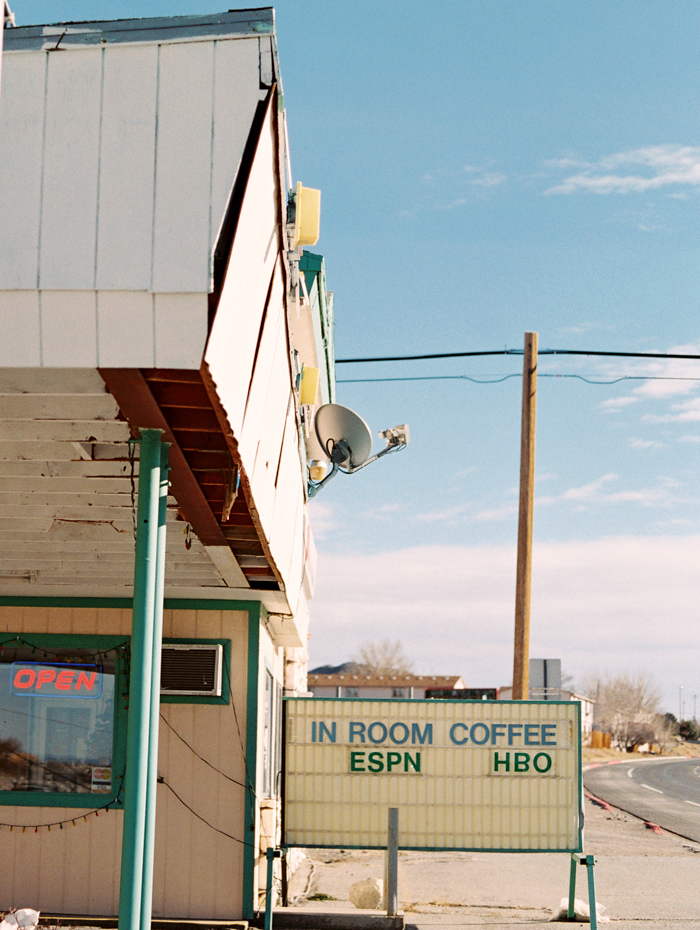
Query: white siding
[(71, 147), (181, 249), (20, 326), (112, 329), (118, 162), (236, 96), (21, 147), (127, 159), (234, 337)]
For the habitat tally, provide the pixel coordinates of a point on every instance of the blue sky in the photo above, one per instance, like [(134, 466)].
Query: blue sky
[(489, 168)]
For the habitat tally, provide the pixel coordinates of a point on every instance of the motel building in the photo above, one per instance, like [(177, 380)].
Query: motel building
[(165, 341)]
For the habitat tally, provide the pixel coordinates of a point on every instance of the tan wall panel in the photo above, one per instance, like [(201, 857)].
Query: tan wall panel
[(198, 873)]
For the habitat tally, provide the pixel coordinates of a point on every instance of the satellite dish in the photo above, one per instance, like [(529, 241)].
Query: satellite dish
[(344, 436)]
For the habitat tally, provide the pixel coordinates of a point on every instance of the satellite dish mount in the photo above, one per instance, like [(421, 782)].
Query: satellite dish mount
[(346, 441)]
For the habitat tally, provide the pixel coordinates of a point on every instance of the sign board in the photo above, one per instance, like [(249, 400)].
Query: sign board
[(55, 679), (465, 775)]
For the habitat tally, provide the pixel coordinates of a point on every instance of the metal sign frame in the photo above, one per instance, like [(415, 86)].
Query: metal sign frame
[(345, 764)]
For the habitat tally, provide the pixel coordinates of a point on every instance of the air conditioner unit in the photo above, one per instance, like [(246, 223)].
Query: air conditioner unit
[(193, 669)]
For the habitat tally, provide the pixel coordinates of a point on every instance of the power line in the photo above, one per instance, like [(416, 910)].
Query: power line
[(415, 358), (514, 375)]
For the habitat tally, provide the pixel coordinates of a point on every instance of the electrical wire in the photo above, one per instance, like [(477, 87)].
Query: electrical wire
[(193, 750), (514, 375), (199, 817), (415, 358)]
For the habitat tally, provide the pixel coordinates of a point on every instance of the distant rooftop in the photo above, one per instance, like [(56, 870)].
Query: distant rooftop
[(357, 679)]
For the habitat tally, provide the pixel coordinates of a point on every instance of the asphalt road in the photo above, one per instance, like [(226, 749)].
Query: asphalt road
[(665, 792)]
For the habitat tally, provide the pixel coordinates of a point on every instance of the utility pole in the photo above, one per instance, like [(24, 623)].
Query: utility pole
[(521, 659)]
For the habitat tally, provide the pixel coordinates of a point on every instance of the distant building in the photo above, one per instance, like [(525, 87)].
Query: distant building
[(463, 694), (587, 705), (358, 685)]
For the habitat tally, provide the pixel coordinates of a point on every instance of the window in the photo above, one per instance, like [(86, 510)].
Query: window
[(351, 692), (272, 737), (398, 692), (62, 716)]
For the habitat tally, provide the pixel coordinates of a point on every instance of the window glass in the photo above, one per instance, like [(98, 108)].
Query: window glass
[(272, 737), (57, 716)]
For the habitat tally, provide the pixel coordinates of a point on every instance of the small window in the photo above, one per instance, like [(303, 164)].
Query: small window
[(351, 692), (272, 737), (62, 714), (398, 692)]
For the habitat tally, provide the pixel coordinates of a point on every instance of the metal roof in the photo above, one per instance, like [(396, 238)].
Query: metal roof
[(242, 23)]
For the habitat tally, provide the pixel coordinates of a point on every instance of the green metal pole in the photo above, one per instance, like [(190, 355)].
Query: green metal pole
[(572, 887), (138, 723), (590, 862), (152, 778)]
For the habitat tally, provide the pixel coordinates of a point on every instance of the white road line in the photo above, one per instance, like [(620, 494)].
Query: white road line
[(629, 772), (657, 790), (694, 803)]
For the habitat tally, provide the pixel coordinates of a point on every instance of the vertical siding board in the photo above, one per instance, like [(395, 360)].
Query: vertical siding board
[(204, 798), (21, 146), (20, 326), (272, 328), (236, 65), (286, 538), (69, 329), (179, 849), (180, 324), (125, 327), (127, 156), (270, 446), (69, 204), (183, 168), (231, 347)]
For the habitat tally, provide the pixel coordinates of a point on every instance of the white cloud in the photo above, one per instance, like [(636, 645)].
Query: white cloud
[(489, 180), (689, 438), (644, 169), (497, 513), (687, 412), (668, 378), (322, 519), (445, 513), (628, 602), (644, 444), (596, 492), (613, 404)]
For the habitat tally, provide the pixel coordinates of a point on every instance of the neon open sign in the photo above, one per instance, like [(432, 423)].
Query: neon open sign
[(55, 679)]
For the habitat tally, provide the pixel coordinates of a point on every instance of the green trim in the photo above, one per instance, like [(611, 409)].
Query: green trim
[(225, 675), (580, 780), (251, 744), (428, 701), (11, 601), (476, 849), (127, 603), (96, 643)]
